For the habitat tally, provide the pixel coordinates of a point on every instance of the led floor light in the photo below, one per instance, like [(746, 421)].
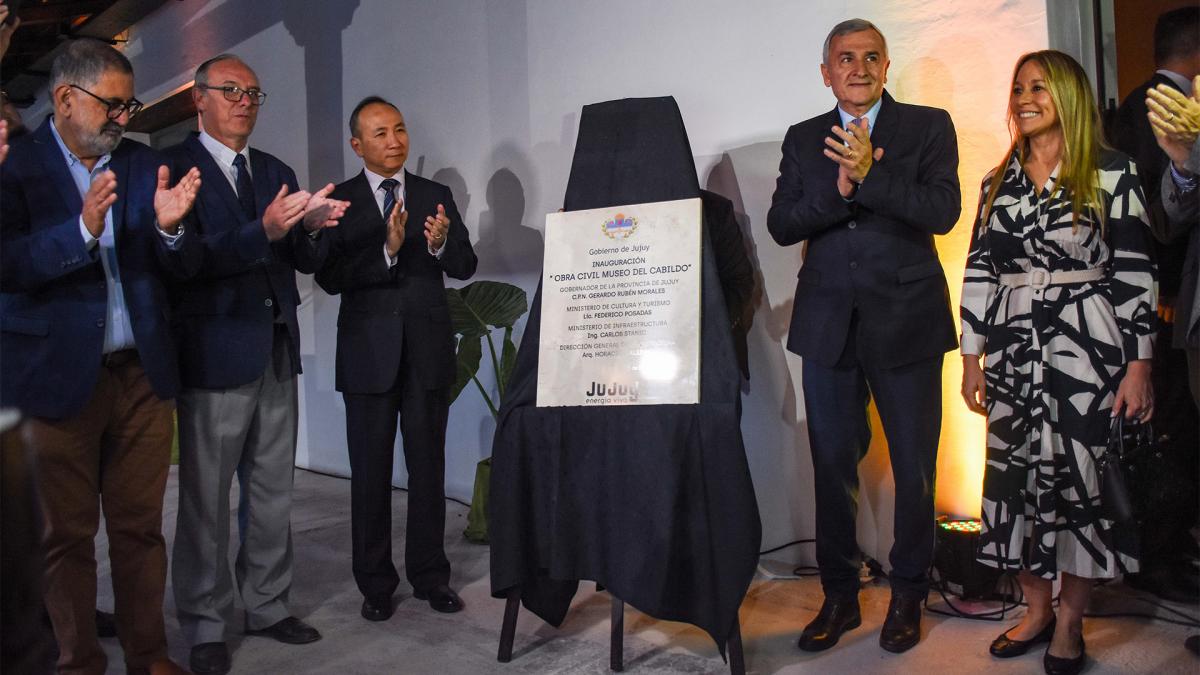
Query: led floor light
[(956, 542)]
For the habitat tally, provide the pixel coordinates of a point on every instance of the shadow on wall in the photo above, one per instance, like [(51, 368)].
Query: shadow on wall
[(779, 462), (512, 248)]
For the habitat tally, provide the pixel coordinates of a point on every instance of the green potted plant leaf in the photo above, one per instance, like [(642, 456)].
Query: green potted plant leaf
[(476, 310)]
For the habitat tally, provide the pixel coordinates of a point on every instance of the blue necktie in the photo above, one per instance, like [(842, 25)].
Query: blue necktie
[(389, 196), (245, 189)]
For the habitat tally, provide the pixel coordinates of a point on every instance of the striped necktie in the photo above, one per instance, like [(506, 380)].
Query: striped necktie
[(389, 195)]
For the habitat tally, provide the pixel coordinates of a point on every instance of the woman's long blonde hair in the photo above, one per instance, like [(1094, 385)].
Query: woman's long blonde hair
[(1083, 137)]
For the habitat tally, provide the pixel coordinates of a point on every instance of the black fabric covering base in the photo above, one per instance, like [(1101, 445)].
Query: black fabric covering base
[(653, 502)]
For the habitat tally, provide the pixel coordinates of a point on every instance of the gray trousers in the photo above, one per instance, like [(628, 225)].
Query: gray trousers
[(249, 431)]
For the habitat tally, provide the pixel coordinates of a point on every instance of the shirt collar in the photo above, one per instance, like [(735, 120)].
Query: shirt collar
[(375, 179), (1184, 84), (871, 115), (221, 152), (72, 159)]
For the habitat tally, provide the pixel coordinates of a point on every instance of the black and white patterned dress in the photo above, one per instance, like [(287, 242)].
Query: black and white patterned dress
[(1054, 358)]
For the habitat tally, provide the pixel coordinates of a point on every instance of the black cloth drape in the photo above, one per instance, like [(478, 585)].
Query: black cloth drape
[(653, 502)]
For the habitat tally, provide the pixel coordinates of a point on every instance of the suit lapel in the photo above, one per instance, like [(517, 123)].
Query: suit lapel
[(265, 188), (885, 124), (56, 167), (213, 178), (419, 203), (119, 165), (362, 202)]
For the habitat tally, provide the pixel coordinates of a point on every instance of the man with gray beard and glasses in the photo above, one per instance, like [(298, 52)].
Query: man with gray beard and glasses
[(89, 232)]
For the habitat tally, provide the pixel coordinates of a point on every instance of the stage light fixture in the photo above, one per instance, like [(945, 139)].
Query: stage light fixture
[(956, 543)]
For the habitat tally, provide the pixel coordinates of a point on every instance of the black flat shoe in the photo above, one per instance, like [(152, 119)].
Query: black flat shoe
[(378, 609), (1058, 665), (902, 627), (441, 598), (209, 658), (836, 617), (290, 631), (1005, 647)]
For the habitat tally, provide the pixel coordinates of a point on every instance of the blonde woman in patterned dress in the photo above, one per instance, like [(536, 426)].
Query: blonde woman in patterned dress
[(1059, 301)]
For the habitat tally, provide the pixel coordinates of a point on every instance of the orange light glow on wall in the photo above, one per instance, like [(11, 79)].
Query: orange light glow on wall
[(964, 65)]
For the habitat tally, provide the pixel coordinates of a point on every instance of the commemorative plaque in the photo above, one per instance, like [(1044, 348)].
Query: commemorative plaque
[(621, 306)]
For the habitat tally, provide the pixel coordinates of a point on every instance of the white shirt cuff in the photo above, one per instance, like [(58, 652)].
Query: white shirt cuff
[(88, 240), (172, 240)]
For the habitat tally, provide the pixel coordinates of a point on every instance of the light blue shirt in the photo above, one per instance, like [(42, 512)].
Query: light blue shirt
[(118, 330), (872, 115), (224, 155)]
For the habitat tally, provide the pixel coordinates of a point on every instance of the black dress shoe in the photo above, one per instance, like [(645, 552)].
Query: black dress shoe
[(837, 616), (1058, 665), (378, 609), (902, 627), (290, 631), (1005, 647), (441, 598), (209, 658), (106, 624)]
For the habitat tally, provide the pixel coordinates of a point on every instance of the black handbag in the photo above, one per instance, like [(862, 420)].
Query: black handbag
[(1126, 444)]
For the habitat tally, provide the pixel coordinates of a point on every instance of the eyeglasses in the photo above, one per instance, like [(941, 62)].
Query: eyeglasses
[(234, 94), (115, 107)]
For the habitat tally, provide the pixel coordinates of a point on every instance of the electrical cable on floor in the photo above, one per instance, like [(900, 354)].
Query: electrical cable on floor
[(799, 572), (790, 543), (999, 614), (990, 615)]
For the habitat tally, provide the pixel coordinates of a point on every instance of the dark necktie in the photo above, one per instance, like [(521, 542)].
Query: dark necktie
[(389, 195), (245, 189)]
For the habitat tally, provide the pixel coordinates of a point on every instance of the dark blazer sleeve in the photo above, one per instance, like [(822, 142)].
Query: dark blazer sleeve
[(355, 257), (183, 259), (305, 252), (1182, 209), (302, 252), (806, 200), (31, 258), (458, 259), (932, 201)]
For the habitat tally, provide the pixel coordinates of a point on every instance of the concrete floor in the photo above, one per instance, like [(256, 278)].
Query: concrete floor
[(419, 640)]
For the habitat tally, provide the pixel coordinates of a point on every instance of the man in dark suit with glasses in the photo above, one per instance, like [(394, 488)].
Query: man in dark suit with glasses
[(240, 355)]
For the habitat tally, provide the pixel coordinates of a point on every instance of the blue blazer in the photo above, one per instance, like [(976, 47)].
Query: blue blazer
[(875, 254), (53, 293), (226, 312)]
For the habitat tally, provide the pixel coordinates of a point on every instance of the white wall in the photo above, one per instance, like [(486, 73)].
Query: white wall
[(492, 92)]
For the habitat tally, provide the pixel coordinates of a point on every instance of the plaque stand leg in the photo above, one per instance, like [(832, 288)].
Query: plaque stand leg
[(616, 655), (508, 629), (616, 649)]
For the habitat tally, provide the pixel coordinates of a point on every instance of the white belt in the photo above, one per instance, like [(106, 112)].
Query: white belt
[(1039, 279)]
